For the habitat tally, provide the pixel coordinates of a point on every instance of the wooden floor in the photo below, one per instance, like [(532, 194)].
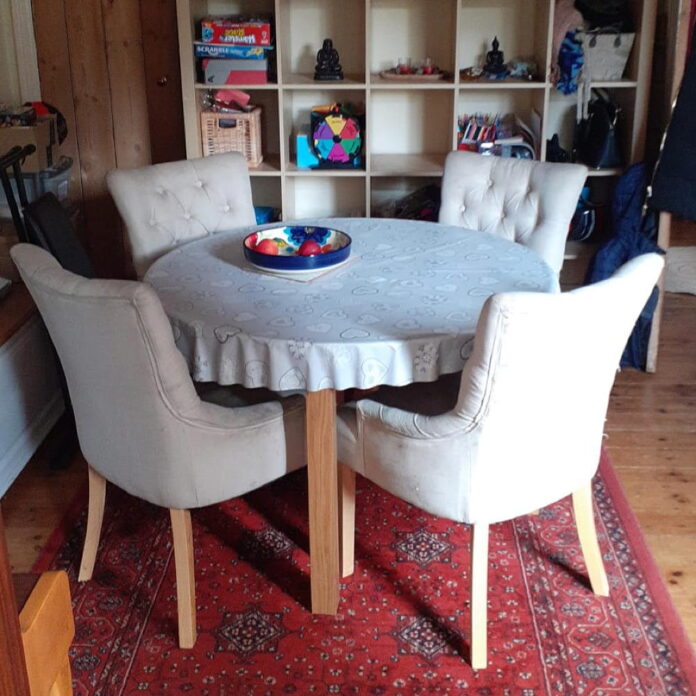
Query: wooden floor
[(651, 439)]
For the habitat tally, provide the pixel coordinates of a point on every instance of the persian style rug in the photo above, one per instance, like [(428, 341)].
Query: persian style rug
[(402, 626)]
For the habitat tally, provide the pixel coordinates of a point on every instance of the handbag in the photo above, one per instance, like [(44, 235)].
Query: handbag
[(606, 52), (596, 139)]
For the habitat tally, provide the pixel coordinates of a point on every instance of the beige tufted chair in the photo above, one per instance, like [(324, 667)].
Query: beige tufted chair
[(141, 424), (521, 200), (165, 205), (523, 431)]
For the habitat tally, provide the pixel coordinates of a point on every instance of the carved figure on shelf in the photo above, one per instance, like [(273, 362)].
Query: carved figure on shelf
[(495, 61), (328, 66)]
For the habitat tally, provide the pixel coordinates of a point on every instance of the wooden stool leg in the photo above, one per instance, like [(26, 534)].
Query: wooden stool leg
[(185, 582), (479, 596), (584, 520), (95, 515), (347, 519)]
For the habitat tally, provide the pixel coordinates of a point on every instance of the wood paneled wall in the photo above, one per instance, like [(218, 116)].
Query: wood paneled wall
[(112, 68)]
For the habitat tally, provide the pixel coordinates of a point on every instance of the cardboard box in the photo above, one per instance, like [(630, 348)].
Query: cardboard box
[(303, 150), (236, 30), (235, 71), (209, 50), (38, 135)]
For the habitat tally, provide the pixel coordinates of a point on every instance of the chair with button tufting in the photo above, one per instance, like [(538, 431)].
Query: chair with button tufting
[(167, 204), (525, 201), (141, 424), (523, 431)]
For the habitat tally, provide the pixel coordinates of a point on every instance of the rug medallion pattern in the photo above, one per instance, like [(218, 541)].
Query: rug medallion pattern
[(402, 626)]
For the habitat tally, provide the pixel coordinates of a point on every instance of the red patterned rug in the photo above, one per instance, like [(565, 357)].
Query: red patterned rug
[(403, 621)]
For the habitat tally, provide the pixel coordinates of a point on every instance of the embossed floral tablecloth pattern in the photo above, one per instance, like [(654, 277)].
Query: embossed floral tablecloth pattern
[(404, 312)]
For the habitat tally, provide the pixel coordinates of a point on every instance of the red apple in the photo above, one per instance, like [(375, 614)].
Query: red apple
[(309, 248), (267, 246)]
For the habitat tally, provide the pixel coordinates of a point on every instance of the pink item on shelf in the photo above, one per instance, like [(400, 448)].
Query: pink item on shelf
[(233, 95)]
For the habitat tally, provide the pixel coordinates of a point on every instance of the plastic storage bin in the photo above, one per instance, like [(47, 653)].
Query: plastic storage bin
[(56, 179)]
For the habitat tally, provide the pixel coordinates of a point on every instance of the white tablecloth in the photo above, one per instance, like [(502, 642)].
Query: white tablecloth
[(403, 311)]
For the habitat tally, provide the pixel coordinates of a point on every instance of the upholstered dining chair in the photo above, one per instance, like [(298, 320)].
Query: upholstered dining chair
[(167, 204), (523, 431), (140, 423), (521, 200)]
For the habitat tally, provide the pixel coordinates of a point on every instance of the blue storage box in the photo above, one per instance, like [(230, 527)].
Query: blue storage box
[(305, 154)]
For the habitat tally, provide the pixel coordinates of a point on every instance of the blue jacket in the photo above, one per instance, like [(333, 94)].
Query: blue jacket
[(633, 233)]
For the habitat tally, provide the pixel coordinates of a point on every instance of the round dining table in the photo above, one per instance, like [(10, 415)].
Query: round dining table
[(403, 308)]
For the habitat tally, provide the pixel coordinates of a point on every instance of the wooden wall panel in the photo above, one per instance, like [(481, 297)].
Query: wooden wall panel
[(95, 132), (126, 68), (54, 74), (94, 68)]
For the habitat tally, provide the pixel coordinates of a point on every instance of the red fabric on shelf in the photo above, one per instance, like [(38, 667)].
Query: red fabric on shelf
[(402, 626)]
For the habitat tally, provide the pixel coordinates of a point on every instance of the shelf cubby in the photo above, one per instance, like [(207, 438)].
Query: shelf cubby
[(319, 195)]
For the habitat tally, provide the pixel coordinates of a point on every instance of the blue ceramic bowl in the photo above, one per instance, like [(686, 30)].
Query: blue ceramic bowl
[(287, 240)]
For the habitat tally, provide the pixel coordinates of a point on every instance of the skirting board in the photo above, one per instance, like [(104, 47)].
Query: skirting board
[(31, 398), (16, 458)]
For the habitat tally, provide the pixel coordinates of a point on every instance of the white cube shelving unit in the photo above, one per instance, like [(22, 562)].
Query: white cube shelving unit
[(410, 125)]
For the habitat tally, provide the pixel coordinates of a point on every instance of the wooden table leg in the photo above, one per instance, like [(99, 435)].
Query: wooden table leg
[(322, 473)]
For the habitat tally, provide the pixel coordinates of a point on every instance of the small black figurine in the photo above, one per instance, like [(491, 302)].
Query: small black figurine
[(495, 61), (328, 67)]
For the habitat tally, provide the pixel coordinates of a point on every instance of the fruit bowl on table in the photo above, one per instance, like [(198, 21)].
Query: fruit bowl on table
[(296, 248)]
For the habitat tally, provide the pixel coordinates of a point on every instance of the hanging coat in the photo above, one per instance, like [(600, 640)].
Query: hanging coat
[(632, 235), (674, 183)]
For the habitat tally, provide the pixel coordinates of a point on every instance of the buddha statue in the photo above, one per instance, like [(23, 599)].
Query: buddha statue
[(328, 67), (495, 62)]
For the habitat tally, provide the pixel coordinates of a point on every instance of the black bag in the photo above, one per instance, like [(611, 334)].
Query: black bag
[(596, 140), (604, 13)]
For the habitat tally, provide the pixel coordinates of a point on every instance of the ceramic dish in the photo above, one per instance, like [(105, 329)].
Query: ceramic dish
[(278, 248)]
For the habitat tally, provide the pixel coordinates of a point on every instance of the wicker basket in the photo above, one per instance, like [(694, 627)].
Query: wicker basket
[(233, 133)]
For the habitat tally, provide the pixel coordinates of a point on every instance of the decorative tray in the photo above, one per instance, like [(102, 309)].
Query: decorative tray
[(433, 77)]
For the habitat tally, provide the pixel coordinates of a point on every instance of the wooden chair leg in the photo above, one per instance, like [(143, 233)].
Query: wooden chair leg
[(347, 519), (95, 515), (185, 582), (584, 521), (479, 596)]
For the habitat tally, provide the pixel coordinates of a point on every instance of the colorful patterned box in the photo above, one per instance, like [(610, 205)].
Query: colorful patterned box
[(236, 30)]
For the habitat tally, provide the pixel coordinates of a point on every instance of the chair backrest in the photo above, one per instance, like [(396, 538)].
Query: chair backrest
[(49, 226), (164, 205), (524, 201), (536, 388), (129, 384)]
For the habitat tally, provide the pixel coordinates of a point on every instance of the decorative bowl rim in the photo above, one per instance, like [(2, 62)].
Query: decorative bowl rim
[(294, 262)]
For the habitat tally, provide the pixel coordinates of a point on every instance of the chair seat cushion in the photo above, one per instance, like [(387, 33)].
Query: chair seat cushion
[(425, 398), (234, 395)]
